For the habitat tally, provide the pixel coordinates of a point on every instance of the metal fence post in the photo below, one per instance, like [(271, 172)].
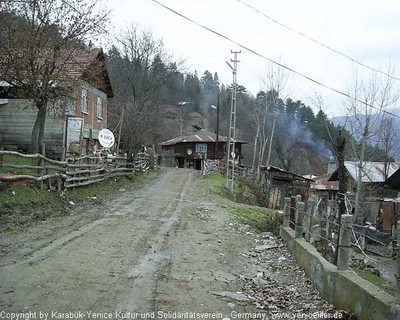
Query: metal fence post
[(299, 219), (343, 262), (286, 212)]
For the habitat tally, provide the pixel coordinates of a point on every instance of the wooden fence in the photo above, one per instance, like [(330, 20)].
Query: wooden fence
[(218, 165), (71, 173)]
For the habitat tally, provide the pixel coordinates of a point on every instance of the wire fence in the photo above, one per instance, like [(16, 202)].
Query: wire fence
[(320, 224)]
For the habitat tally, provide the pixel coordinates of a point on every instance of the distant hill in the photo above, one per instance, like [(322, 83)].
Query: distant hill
[(342, 119), (345, 121)]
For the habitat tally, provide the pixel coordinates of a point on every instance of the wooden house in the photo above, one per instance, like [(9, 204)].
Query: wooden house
[(278, 184), (187, 151), (73, 128)]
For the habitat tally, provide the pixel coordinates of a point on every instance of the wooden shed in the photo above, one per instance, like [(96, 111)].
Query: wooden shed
[(279, 184)]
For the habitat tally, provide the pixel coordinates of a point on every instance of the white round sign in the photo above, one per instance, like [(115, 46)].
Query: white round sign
[(106, 138)]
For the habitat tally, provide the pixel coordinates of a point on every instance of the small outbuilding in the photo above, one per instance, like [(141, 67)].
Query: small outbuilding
[(278, 184)]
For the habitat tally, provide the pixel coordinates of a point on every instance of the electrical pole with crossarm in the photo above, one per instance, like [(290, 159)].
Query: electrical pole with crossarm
[(230, 144)]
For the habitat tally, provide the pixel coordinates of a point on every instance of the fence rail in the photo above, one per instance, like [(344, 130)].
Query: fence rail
[(220, 165), (71, 173)]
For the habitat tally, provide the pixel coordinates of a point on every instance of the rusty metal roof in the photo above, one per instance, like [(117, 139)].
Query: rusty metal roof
[(201, 135), (372, 172)]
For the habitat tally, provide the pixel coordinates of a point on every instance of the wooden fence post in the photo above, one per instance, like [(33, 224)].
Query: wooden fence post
[(41, 162), (154, 158), (300, 207), (343, 262)]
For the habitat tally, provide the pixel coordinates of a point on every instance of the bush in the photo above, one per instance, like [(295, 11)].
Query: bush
[(249, 191), (262, 219)]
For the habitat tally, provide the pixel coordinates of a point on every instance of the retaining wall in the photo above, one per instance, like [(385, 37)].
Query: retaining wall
[(345, 289)]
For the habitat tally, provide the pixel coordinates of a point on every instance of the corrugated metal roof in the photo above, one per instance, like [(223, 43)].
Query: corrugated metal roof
[(201, 135), (371, 171)]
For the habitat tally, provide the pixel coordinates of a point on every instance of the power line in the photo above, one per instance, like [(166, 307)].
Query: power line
[(274, 62), (318, 42)]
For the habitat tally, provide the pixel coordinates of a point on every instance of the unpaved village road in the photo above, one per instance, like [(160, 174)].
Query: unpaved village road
[(165, 247)]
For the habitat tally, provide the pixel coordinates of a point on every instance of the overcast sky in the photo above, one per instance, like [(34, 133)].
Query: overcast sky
[(368, 31)]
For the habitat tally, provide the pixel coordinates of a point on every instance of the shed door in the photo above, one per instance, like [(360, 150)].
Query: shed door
[(74, 129), (275, 197)]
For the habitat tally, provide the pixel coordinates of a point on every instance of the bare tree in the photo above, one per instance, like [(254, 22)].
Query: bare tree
[(371, 97), (276, 82), (140, 66), (256, 115), (388, 140), (38, 39)]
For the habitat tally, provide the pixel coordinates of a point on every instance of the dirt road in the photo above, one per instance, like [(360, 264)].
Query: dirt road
[(166, 247)]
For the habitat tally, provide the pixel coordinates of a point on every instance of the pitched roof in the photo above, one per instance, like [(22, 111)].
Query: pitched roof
[(393, 181), (201, 135), (372, 172), (71, 65), (294, 175)]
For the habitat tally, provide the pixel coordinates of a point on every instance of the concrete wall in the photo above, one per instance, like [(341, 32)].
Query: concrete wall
[(345, 289)]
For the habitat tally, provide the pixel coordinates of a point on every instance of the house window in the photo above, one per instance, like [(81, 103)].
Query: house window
[(201, 147), (84, 103), (99, 108)]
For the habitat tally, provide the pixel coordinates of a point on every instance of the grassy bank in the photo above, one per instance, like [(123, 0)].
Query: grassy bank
[(20, 206), (259, 218), (19, 195)]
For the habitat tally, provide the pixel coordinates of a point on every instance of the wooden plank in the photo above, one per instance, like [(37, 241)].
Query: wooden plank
[(21, 166), (36, 155), (29, 177), (94, 181), (84, 171)]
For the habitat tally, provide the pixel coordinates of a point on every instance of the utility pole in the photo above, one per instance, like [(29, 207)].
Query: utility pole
[(217, 137), (181, 104), (230, 144), (121, 120)]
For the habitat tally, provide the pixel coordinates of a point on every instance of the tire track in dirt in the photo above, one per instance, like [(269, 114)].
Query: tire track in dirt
[(92, 268), (148, 268), (147, 251)]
